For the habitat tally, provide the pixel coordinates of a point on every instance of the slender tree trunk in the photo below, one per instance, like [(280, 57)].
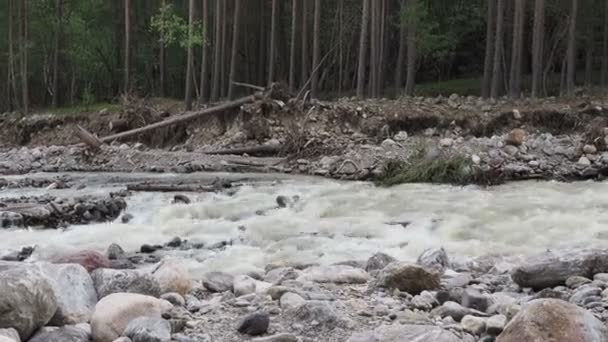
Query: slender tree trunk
[(489, 53), (215, 89), (292, 48), (341, 45), (58, 4), (127, 85), (571, 53), (234, 52), (589, 57), (373, 55), (402, 49), (363, 48), (316, 50), (161, 67), (516, 49), (224, 56), (12, 83), (498, 41), (305, 53), (382, 49), (538, 41), (24, 56), (202, 93), (604, 75), (411, 50), (189, 73), (273, 42)]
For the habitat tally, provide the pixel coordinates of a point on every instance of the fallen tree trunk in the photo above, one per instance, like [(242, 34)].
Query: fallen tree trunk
[(180, 119), (172, 188), (88, 138), (259, 149)]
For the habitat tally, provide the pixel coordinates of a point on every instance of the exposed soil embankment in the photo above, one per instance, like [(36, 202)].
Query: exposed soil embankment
[(347, 138)]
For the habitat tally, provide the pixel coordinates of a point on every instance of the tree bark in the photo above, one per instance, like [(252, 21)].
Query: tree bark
[(215, 89), (59, 5), (571, 53), (23, 39), (363, 48), (341, 46), (489, 53), (127, 84), (498, 44), (402, 49), (305, 53), (161, 66), (292, 48), (316, 50), (204, 58), (516, 49), (11, 83), (189, 73), (604, 75), (224, 53), (538, 41), (234, 52), (273, 42), (411, 50), (373, 56), (589, 57)]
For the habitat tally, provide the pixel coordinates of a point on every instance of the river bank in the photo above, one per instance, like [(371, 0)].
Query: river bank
[(554, 138)]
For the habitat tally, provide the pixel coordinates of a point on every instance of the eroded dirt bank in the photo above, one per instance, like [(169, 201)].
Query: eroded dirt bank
[(551, 138)]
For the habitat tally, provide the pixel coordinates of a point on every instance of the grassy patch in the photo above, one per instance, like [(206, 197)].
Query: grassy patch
[(461, 86), (81, 109)]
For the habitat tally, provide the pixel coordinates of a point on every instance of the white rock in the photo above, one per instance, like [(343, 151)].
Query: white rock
[(244, 285), (584, 161), (401, 136), (474, 325), (496, 324), (172, 276), (476, 159), (290, 300), (589, 149), (114, 312), (337, 274), (446, 142)]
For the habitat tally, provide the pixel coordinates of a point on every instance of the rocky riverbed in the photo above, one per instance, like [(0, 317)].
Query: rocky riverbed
[(555, 296)]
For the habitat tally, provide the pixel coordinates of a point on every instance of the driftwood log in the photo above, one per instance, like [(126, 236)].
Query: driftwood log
[(252, 150)]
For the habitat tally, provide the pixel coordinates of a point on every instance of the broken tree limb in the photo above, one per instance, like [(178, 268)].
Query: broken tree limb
[(185, 117), (248, 85), (253, 150), (88, 138), (171, 188)]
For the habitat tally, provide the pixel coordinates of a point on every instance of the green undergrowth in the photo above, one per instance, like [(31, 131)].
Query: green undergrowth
[(461, 86), (455, 169), (81, 109)]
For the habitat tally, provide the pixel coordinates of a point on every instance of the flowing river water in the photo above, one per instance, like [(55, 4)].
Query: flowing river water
[(335, 221)]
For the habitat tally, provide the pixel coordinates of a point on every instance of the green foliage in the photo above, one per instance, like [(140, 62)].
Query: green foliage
[(173, 29), (88, 98), (460, 86), (419, 168)]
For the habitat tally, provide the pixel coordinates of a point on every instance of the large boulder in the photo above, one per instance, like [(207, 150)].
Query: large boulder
[(172, 276), (108, 281), (553, 320), (68, 333), (10, 335), (147, 329), (27, 299), (73, 287), (89, 259), (337, 274), (114, 312), (407, 277), (553, 268), (405, 332)]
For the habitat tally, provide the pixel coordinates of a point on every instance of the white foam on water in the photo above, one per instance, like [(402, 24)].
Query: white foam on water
[(335, 221)]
